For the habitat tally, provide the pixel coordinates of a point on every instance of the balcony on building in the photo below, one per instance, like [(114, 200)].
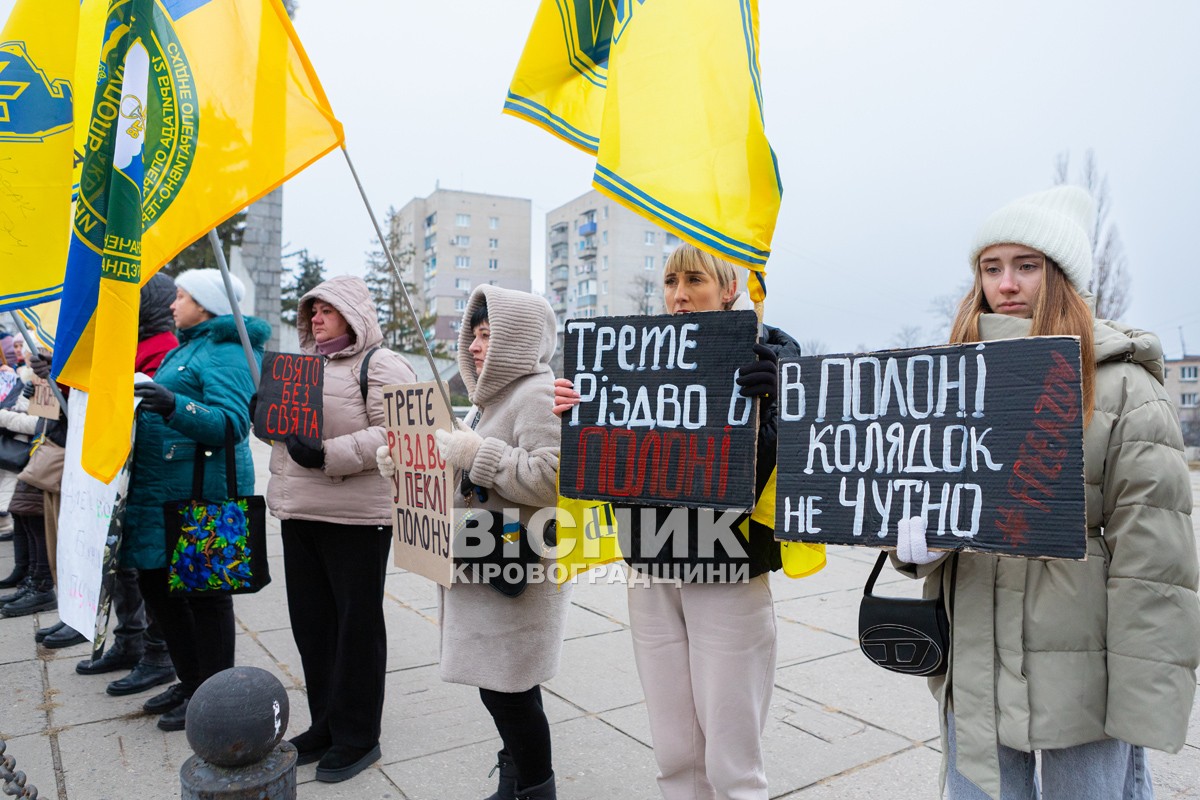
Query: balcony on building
[(560, 253), (587, 228), (585, 300), (586, 268), (587, 247), (559, 275), (558, 234)]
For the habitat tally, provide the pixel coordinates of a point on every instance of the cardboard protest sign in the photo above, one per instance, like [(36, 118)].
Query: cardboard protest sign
[(422, 497), (290, 398), (662, 421), (982, 440), (44, 403)]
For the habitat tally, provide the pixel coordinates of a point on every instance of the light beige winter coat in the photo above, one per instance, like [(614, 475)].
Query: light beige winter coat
[(349, 489), (488, 640), (1053, 654)]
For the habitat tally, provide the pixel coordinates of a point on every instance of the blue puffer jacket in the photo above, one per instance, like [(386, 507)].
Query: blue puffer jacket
[(211, 382)]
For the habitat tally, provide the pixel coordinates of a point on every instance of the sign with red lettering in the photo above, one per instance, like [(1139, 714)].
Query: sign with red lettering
[(43, 403), (290, 398), (422, 495), (661, 421), (984, 441)]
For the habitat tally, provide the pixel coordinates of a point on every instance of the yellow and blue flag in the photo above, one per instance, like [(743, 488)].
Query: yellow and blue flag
[(37, 64), (199, 108), (667, 94)]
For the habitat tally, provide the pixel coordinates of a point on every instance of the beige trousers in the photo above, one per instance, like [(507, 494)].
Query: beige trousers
[(705, 654)]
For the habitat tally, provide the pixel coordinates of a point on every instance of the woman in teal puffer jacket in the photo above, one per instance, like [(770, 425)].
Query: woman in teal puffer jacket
[(201, 386)]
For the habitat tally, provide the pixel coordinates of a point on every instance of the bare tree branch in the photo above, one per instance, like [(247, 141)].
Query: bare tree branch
[(813, 347), (909, 336), (643, 291)]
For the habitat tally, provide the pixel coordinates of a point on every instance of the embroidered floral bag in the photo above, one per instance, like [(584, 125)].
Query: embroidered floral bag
[(216, 545)]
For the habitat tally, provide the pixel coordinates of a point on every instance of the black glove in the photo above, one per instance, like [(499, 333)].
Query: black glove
[(303, 454), (40, 364), (155, 397), (28, 391), (759, 378), (466, 486)]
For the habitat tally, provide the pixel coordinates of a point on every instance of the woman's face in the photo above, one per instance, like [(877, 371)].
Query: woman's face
[(187, 312), (1011, 275), (479, 345), (19, 348), (685, 292), (327, 322)]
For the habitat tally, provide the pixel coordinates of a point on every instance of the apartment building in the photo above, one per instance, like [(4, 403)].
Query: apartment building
[(603, 260), (461, 240), (1182, 382)]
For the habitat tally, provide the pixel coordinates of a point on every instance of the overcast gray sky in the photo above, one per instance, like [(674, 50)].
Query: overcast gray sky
[(898, 125)]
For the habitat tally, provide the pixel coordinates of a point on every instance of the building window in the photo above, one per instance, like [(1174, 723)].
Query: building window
[(461, 241), (431, 221), (493, 222), (493, 263), (455, 325), (493, 243), (460, 304), (672, 240), (462, 220), (649, 262), (463, 284), (1190, 399), (649, 237), (431, 241), (1189, 373), (603, 237), (462, 262), (606, 212), (603, 287), (604, 311), (603, 262)]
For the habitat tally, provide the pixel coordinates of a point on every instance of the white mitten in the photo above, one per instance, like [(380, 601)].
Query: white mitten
[(383, 460), (458, 448), (910, 542)]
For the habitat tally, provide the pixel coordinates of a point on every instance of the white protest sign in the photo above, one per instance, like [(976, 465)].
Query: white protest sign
[(83, 527), (423, 508)]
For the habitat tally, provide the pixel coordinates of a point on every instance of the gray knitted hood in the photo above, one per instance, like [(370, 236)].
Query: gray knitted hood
[(523, 340), (351, 297)]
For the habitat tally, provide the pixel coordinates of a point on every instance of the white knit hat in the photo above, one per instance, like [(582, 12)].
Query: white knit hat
[(207, 288), (1057, 222)]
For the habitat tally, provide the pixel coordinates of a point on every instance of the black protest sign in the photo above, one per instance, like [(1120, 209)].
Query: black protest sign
[(290, 397), (661, 420), (982, 440)]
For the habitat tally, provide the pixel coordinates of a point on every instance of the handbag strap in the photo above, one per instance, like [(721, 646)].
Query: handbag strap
[(363, 372), (230, 467), (883, 556)]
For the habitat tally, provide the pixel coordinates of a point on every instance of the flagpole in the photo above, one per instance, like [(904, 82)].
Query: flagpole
[(33, 350), (399, 279), (215, 240)]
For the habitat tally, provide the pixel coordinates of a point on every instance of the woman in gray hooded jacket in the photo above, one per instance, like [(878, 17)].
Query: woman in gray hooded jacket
[(335, 515)]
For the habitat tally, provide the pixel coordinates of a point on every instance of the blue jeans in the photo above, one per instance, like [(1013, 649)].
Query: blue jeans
[(1106, 770)]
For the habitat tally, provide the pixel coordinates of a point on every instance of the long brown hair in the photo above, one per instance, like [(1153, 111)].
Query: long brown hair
[(1059, 310)]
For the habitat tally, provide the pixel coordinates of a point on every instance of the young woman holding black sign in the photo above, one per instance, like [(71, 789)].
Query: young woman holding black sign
[(335, 515), (705, 649), (1088, 662)]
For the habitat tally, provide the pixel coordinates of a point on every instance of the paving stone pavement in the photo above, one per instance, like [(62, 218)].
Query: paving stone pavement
[(840, 728)]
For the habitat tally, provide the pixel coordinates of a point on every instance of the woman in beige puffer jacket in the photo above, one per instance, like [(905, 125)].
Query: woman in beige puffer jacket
[(336, 516), (1087, 662)]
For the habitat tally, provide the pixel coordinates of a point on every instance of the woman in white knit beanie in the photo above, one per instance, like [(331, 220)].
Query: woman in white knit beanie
[(1078, 664)]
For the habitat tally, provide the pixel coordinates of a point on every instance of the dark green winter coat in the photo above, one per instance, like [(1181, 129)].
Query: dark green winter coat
[(211, 381)]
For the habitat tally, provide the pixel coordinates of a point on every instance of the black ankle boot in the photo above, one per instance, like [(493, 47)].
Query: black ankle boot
[(543, 791), (507, 788)]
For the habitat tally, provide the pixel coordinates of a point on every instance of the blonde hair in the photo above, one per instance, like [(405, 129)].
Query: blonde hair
[(689, 258), (1058, 310)]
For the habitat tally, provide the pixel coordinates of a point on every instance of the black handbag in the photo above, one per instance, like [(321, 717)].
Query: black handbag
[(14, 453), (216, 545), (506, 552), (906, 635)]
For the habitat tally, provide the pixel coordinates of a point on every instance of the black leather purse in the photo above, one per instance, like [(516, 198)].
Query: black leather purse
[(906, 635)]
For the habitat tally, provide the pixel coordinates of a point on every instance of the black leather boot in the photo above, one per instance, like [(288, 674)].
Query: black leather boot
[(507, 788), (543, 791)]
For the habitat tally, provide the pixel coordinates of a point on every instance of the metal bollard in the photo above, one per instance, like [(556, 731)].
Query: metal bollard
[(235, 724), (14, 779)]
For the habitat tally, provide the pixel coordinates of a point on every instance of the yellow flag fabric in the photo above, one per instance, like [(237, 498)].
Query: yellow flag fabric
[(230, 109), (40, 321), (800, 559), (37, 63), (587, 537), (667, 95)]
